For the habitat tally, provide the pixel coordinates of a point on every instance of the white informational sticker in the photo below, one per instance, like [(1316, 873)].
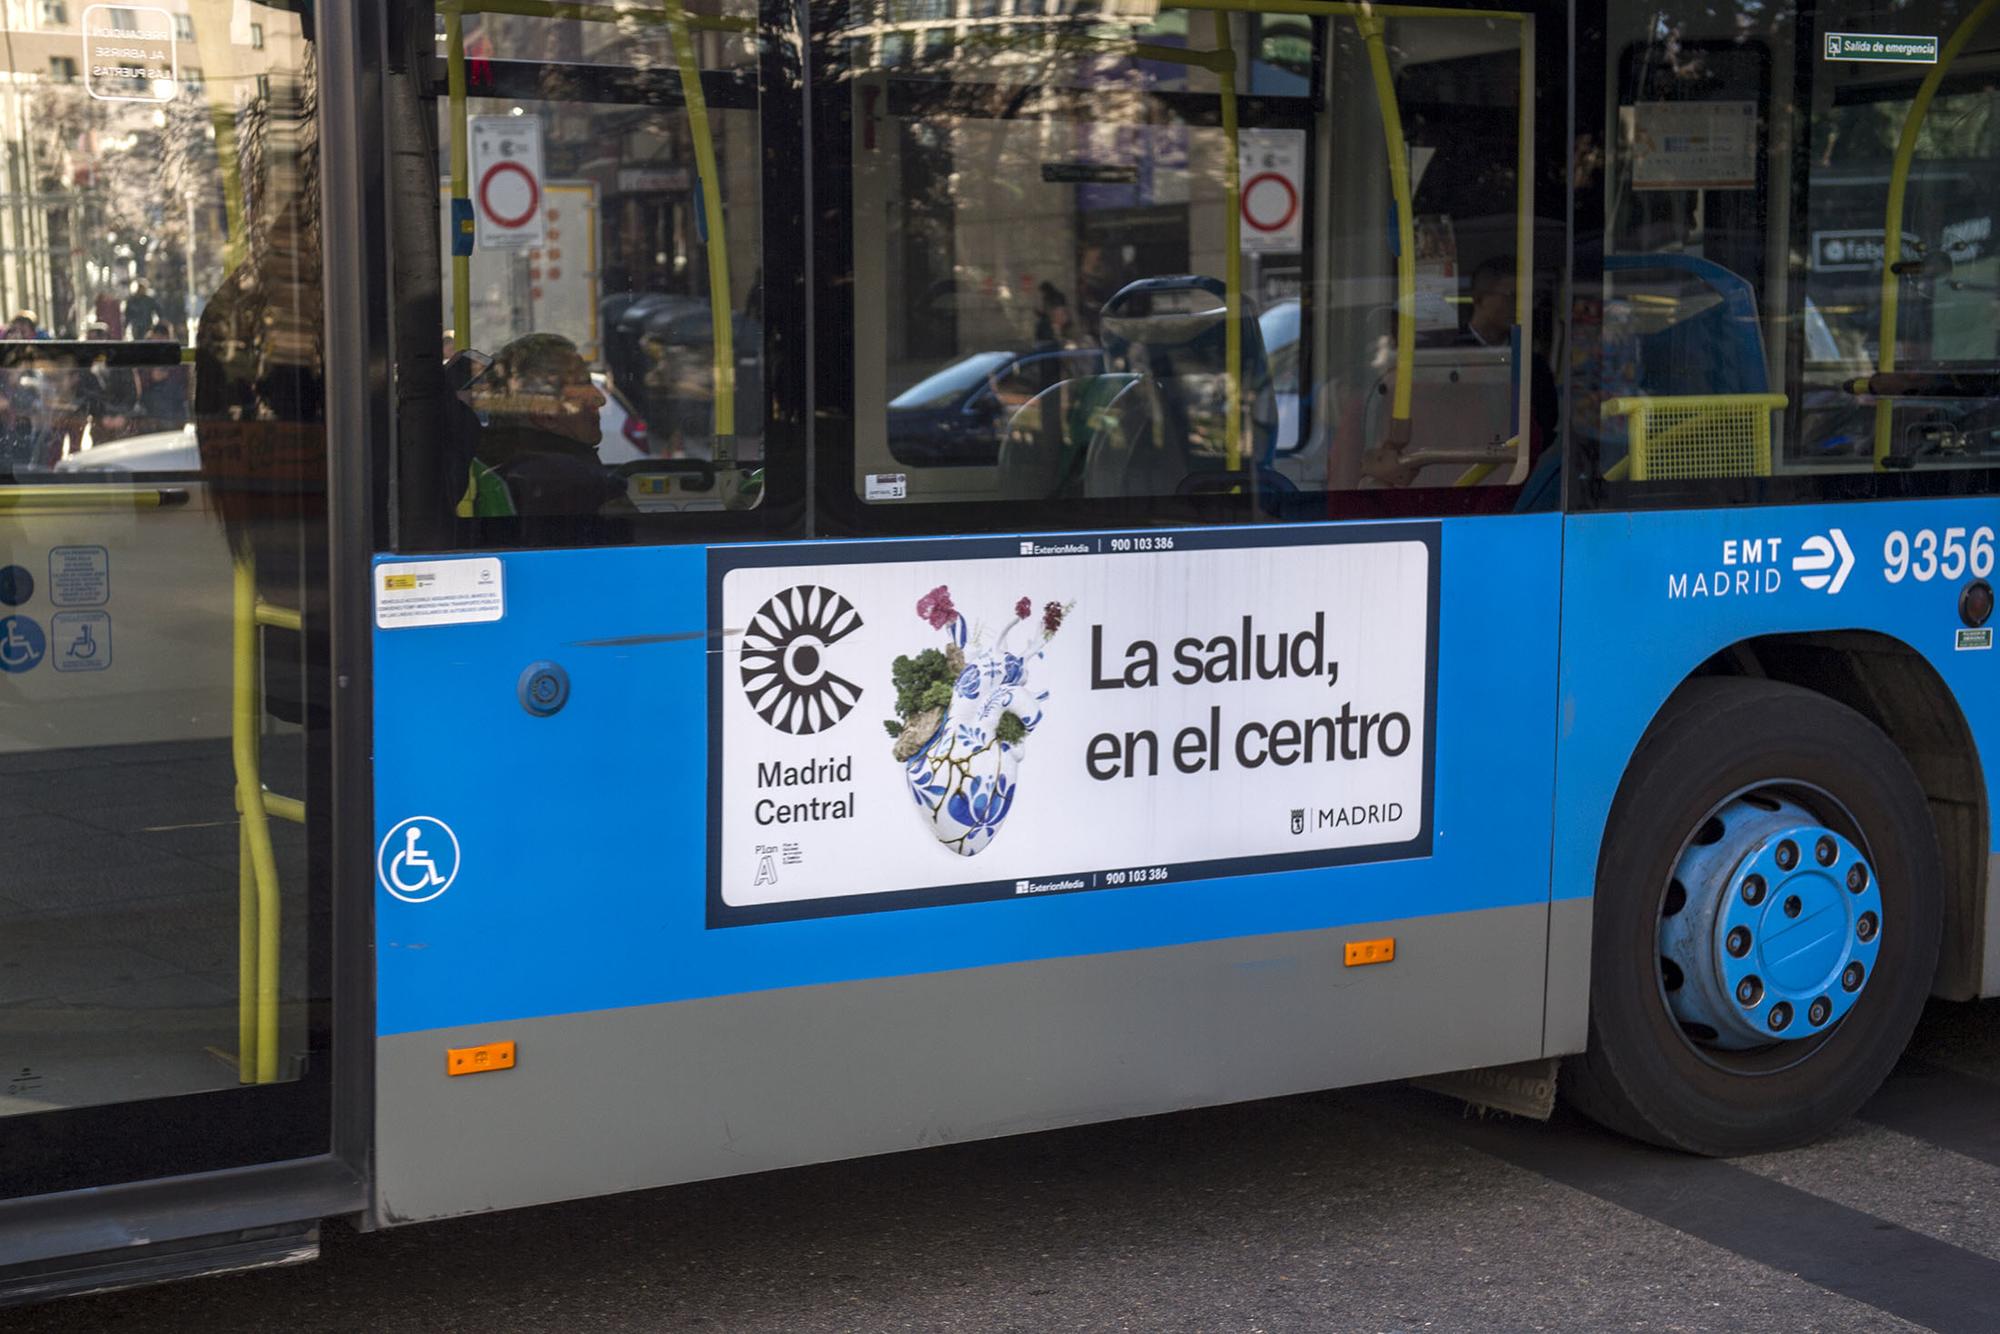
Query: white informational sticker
[(1272, 186), (129, 54), (506, 169), (886, 486), (953, 723), (438, 592), (80, 641), (1692, 145), (79, 576)]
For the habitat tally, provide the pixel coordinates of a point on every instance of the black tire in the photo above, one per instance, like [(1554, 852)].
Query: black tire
[(1641, 1075)]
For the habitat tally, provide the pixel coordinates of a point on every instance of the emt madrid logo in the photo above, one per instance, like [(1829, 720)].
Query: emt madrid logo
[(786, 648)]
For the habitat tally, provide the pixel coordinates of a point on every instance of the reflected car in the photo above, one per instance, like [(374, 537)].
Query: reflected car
[(957, 416), (1279, 326), (157, 451)]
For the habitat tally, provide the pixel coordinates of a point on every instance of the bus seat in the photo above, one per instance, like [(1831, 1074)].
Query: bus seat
[(1171, 334), (1048, 437), (1697, 400)]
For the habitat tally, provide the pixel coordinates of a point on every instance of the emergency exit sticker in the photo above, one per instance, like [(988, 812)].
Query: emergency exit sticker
[(1887, 48), (437, 592)]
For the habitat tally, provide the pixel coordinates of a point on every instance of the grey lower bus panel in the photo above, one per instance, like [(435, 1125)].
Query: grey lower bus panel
[(654, 1095)]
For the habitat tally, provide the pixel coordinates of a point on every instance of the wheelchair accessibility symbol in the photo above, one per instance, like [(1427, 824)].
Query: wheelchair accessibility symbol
[(21, 643), (418, 859)]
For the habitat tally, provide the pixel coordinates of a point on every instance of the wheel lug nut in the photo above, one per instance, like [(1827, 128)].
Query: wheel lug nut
[(1852, 976), (1857, 877), (1864, 930), (1753, 890), (1750, 990), (1781, 1015), (1825, 851), (1819, 1010), (1788, 855), (1738, 943), (1793, 906)]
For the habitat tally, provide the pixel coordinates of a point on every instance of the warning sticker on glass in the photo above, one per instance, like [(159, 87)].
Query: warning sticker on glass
[(437, 592)]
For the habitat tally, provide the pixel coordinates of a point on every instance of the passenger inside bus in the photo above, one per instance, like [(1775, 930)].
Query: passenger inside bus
[(536, 448)]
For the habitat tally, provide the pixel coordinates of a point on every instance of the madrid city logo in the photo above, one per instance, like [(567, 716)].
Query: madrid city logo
[(786, 650)]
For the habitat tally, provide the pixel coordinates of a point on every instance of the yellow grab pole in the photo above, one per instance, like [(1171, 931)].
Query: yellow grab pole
[(1406, 245), (586, 13), (246, 955), (1346, 9), (1892, 226), (1232, 261), (256, 828), (1524, 253), (461, 173), (719, 301)]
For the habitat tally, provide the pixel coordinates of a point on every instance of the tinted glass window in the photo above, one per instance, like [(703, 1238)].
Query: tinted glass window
[(599, 366), (1794, 276), (1250, 266)]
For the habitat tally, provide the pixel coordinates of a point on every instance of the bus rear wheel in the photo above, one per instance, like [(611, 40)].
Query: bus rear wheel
[(1765, 926)]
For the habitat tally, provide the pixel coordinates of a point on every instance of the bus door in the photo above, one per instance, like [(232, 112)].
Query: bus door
[(164, 923)]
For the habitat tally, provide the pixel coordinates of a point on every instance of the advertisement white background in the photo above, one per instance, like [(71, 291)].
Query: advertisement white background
[(1064, 824)]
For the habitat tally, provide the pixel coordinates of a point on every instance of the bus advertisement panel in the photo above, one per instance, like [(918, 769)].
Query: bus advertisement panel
[(917, 726)]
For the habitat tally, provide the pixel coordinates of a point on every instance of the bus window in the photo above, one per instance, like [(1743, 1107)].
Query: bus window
[(1220, 277), (1769, 313), (598, 275)]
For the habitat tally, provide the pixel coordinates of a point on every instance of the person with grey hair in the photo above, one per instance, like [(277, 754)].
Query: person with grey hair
[(536, 452)]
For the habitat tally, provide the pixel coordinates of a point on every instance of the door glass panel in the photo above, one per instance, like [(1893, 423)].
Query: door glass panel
[(161, 577), (1799, 266)]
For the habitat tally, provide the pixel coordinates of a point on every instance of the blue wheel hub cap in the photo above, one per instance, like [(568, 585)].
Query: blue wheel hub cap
[(1772, 928)]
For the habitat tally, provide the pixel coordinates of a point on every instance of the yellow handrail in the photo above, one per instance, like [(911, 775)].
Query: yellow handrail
[(39, 499), (716, 240), (1892, 226), (1370, 27), (1232, 258), (257, 908), (258, 895), (461, 173)]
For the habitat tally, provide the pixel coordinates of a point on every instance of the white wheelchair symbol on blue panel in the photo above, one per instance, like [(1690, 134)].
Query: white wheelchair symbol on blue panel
[(21, 643), (418, 859)]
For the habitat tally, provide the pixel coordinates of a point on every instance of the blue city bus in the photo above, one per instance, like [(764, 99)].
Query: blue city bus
[(558, 558)]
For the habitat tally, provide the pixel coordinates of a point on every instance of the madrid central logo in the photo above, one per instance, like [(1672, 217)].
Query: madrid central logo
[(786, 649)]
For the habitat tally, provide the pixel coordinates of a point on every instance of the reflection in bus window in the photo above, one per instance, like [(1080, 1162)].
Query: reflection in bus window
[(599, 243), (1751, 324), (1106, 273), (162, 446)]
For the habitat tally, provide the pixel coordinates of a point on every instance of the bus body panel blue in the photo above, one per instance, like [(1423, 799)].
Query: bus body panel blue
[(582, 834), (1642, 610)]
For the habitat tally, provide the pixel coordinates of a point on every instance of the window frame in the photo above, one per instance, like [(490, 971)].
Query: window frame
[(841, 512), (421, 520)]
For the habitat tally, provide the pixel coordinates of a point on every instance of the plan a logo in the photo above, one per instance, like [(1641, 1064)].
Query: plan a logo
[(787, 649), (1824, 562)]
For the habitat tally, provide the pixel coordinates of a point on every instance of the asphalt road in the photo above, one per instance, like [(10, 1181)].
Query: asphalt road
[(1373, 1209)]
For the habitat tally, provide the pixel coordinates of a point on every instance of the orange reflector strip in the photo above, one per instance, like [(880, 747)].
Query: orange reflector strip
[(478, 1060), (1371, 951)]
